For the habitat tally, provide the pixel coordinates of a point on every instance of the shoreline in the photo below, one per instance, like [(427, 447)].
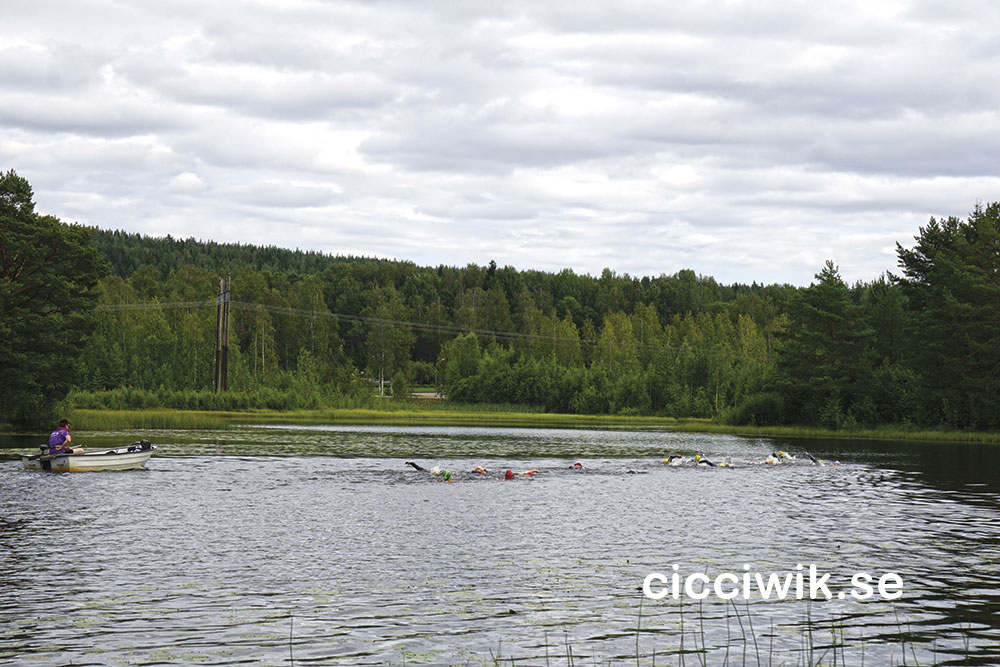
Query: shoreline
[(169, 418)]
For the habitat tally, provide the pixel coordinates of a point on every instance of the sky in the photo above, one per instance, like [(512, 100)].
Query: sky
[(748, 141)]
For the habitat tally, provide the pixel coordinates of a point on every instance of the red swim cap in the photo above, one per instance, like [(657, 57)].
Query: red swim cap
[(509, 474)]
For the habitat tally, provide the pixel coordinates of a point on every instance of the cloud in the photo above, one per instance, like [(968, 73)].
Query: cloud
[(745, 141)]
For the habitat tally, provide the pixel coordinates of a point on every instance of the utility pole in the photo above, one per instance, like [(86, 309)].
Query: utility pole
[(218, 337), (225, 336), (222, 335)]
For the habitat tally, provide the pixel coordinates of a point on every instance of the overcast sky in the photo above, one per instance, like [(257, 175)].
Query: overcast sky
[(749, 141)]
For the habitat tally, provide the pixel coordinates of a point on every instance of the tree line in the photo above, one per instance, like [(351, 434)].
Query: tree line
[(917, 346)]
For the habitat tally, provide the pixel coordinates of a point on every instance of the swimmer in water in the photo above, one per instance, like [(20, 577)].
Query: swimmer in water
[(673, 460), (436, 470), (577, 466), (699, 460), (509, 474), (480, 470)]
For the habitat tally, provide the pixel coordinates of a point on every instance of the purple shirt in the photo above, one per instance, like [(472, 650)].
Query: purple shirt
[(57, 439)]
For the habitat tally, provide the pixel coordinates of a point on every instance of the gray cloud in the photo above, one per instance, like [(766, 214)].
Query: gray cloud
[(748, 142)]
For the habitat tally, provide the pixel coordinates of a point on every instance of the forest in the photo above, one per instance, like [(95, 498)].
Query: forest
[(915, 346)]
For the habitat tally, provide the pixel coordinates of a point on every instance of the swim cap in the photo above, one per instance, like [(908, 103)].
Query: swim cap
[(447, 475), (509, 474)]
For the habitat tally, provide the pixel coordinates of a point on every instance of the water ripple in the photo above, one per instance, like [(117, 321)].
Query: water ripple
[(262, 545)]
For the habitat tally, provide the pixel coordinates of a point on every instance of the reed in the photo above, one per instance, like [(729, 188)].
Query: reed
[(160, 418), (891, 432), (841, 649), (122, 420), (440, 413)]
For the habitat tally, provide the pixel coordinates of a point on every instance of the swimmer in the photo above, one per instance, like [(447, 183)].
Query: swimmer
[(577, 466), (480, 470), (673, 460), (703, 461), (509, 474), (436, 470)]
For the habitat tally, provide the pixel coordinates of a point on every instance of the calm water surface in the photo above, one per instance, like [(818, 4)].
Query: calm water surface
[(317, 545)]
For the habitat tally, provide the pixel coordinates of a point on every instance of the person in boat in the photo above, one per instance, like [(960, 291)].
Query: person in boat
[(60, 439)]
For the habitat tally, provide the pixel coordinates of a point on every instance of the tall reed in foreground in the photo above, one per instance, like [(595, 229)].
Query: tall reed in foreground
[(842, 649)]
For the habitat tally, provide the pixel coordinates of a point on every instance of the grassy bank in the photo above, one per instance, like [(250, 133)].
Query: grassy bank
[(441, 414), (101, 420)]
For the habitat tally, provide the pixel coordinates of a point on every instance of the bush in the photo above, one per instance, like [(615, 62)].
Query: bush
[(767, 409)]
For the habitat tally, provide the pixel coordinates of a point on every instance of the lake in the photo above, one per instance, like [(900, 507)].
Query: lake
[(317, 545)]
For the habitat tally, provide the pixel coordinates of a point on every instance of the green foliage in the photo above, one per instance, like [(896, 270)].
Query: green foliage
[(951, 278), (48, 273), (825, 360), (401, 388), (309, 330), (765, 409)]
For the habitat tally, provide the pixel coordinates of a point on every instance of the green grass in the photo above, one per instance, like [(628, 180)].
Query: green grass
[(435, 413), (103, 420), (890, 432)]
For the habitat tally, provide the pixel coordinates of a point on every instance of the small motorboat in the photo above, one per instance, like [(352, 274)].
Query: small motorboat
[(124, 458)]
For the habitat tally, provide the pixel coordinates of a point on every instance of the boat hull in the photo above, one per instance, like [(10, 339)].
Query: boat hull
[(90, 462)]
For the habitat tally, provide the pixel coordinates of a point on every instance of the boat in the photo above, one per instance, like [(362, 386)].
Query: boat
[(123, 458)]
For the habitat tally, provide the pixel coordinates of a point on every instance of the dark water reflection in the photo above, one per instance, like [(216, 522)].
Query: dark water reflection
[(260, 546)]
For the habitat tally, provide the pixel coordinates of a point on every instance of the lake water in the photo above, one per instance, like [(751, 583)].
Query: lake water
[(318, 546)]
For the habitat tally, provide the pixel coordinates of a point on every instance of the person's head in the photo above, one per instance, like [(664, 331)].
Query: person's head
[(509, 474), (63, 423)]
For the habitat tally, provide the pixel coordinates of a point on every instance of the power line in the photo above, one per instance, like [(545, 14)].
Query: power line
[(378, 321), (153, 304)]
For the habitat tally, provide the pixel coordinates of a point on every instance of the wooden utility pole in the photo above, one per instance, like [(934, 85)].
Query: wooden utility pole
[(218, 337), (225, 336), (222, 335)]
